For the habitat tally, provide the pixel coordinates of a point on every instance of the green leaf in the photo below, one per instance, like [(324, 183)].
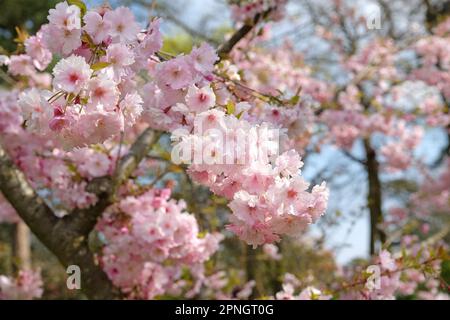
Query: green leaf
[(100, 65), (230, 107), (80, 4), (294, 100)]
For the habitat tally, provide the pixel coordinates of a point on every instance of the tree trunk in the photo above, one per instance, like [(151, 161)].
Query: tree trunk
[(374, 199), (22, 246)]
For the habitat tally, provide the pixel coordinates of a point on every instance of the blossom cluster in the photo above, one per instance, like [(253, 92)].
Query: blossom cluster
[(217, 286), (397, 152), (148, 242), (26, 286), (94, 91), (62, 176), (281, 73), (413, 271), (180, 90), (289, 286), (268, 196), (433, 196)]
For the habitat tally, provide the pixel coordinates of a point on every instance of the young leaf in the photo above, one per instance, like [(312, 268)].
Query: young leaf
[(99, 65), (230, 107)]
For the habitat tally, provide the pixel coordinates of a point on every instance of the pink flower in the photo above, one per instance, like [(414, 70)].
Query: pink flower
[(58, 123), (120, 57), (175, 73), (287, 293), (71, 74), (26, 286), (98, 28), (199, 100), (103, 91), (36, 110), (61, 41), (289, 163), (123, 26), (90, 163), (131, 106), (158, 230), (95, 127), (386, 261), (35, 48), (65, 16), (152, 41), (21, 65), (203, 58)]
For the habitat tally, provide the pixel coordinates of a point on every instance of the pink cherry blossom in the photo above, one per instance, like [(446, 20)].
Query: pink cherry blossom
[(131, 106), (122, 24), (98, 28), (203, 58), (36, 49), (20, 65), (103, 91), (65, 16), (91, 164), (175, 73), (60, 41), (199, 100), (71, 74)]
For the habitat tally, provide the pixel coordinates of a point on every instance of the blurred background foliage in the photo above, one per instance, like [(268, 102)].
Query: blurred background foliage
[(26, 14)]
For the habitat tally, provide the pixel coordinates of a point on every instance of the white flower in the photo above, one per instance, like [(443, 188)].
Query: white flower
[(71, 74), (65, 17), (98, 28), (200, 100), (122, 24), (131, 107), (103, 91)]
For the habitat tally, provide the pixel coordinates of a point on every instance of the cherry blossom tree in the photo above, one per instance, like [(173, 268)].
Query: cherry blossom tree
[(101, 130)]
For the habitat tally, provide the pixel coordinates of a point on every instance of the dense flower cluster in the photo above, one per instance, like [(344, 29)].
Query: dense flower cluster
[(95, 97), (291, 283), (433, 196), (149, 239), (413, 271), (102, 52), (269, 198), (282, 70)]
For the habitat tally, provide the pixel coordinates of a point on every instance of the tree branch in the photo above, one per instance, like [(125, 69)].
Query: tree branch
[(352, 157), (138, 151), (224, 49), (374, 198), (66, 243), (84, 220)]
